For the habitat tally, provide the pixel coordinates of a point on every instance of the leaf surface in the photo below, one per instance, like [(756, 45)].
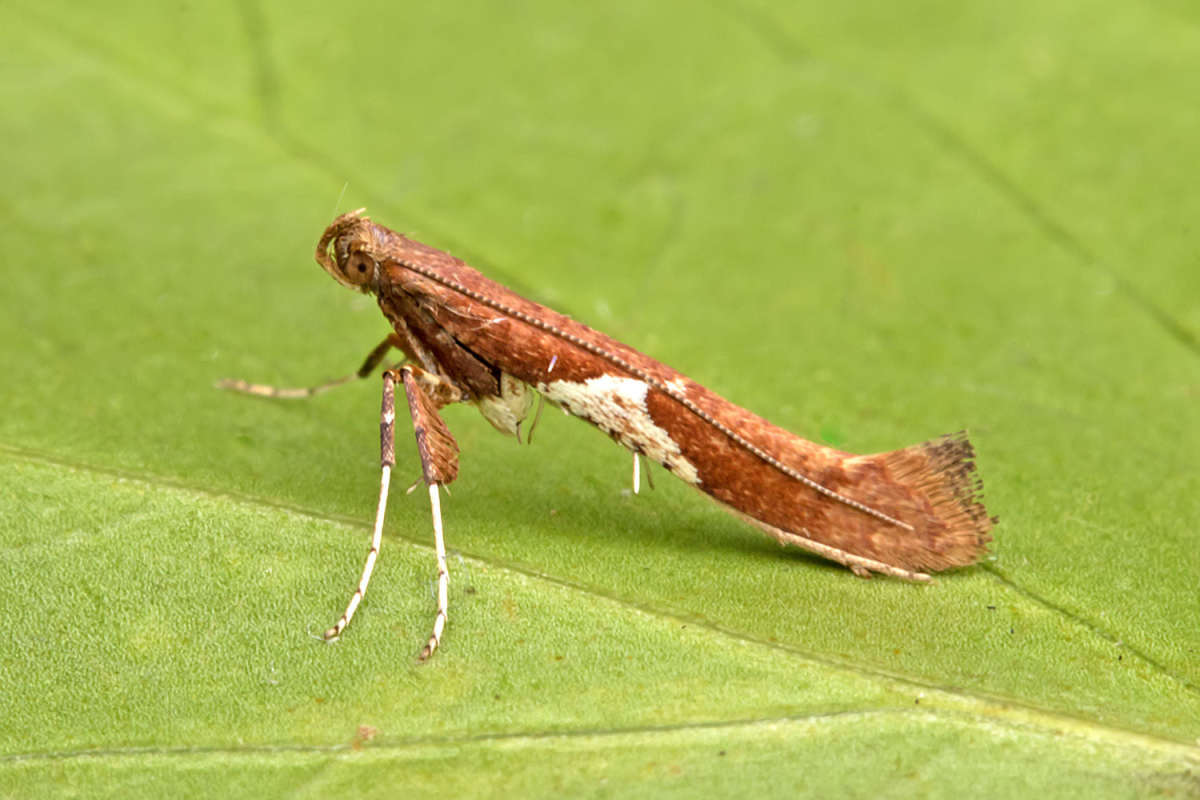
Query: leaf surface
[(868, 227)]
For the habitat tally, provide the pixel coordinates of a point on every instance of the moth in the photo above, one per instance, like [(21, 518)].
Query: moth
[(468, 339)]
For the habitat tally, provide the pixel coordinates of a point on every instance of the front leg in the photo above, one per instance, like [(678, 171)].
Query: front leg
[(439, 465), (373, 360), (426, 394)]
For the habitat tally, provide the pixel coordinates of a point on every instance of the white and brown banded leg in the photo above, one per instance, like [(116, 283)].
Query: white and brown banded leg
[(373, 360), (439, 466), (861, 566), (438, 451)]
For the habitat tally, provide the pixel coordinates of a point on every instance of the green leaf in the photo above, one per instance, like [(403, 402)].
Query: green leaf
[(872, 225)]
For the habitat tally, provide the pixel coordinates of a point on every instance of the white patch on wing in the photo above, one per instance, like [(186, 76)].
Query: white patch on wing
[(618, 406)]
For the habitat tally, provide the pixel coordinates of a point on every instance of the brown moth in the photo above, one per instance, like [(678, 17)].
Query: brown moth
[(468, 339)]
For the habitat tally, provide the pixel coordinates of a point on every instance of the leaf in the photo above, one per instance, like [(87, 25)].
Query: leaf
[(869, 228)]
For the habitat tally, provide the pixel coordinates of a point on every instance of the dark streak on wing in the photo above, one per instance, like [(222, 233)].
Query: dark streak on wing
[(455, 361)]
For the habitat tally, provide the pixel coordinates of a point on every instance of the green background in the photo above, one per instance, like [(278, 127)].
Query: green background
[(871, 224)]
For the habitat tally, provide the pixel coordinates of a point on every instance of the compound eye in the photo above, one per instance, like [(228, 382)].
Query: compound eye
[(359, 269)]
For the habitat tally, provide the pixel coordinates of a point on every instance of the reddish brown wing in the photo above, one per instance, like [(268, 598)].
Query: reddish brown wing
[(931, 488)]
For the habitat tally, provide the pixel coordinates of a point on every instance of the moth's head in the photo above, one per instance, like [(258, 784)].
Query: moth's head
[(345, 251)]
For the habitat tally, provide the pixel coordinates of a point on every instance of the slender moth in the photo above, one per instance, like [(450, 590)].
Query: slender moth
[(468, 339)]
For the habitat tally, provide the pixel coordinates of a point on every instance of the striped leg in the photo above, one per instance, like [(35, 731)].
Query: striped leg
[(439, 622), (439, 465), (373, 360), (387, 457)]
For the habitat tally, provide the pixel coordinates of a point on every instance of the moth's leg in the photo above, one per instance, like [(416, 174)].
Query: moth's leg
[(387, 459), (373, 360), (537, 415), (637, 473), (443, 601), (859, 565), (439, 465)]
